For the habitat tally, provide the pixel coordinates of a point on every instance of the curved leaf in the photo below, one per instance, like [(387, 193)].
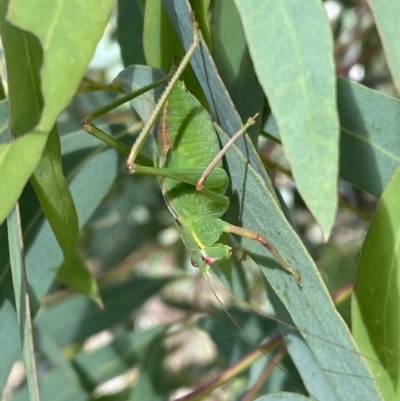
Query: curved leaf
[(130, 32), (77, 276), (88, 186), (369, 140), (24, 57), (159, 37), (62, 27), (20, 286), (291, 46), (375, 314), (4, 135), (387, 16), (232, 58), (42, 76), (55, 199), (10, 346)]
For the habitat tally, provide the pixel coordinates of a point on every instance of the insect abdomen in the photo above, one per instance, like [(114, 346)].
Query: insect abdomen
[(186, 139)]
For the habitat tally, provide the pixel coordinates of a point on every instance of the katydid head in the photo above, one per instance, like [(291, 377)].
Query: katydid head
[(208, 256)]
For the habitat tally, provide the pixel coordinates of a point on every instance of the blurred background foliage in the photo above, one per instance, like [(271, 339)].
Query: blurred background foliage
[(157, 306)]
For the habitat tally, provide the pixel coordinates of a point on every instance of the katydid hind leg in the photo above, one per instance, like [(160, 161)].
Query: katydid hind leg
[(243, 232)]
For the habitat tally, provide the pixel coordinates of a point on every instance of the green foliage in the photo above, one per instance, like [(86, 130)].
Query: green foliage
[(376, 327), (305, 110), (102, 260)]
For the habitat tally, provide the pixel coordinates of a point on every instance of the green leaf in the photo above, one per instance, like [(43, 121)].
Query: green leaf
[(162, 47), (78, 277), (369, 143), (120, 300), (20, 285), (4, 136), (232, 58), (253, 206), (55, 199), (159, 37), (387, 16), (375, 314), (152, 382), (90, 169), (312, 372), (112, 360), (201, 10), (296, 70), (15, 160), (62, 381), (2, 92), (57, 204), (57, 385), (10, 346), (42, 76), (48, 347), (62, 27), (88, 185), (130, 32)]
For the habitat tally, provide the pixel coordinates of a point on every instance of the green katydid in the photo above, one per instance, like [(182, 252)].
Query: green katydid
[(190, 171)]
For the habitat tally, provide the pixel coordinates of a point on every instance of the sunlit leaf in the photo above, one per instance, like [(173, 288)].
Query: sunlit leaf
[(375, 315)]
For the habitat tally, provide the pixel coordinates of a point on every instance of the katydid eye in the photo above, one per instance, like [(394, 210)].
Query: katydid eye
[(194, 264), (209, 260)]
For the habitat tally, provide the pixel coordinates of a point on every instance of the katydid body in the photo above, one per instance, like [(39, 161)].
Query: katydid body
[(187, 144), (187, 141), (190, 171)]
